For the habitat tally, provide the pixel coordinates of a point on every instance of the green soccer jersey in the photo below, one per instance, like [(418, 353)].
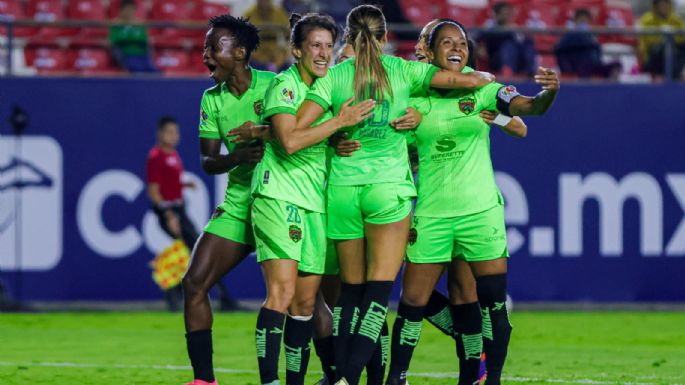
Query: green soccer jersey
[(455, 170), (221, 111), (383, 154), (299, 178)]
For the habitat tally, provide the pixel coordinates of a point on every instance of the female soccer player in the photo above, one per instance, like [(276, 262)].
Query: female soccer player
[(459, 217), (370, 196), (288, 212), (235, 101)]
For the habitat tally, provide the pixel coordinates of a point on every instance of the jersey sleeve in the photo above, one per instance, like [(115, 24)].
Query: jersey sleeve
[(418, 75), (321, 92), (280, 98), (497, 96), (152, 170), (420, 104), (209, 128)]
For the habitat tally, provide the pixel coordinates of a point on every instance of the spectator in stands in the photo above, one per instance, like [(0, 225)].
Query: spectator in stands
[(578, 52), (272, 20), (508, 52), (165, 189), (129, 40), (652, 47)]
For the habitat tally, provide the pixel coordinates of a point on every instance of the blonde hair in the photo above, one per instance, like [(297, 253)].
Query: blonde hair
[(365, 30)]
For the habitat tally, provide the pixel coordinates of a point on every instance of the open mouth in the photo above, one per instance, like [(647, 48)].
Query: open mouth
[(321, 64), (455, 59), (211, 68)]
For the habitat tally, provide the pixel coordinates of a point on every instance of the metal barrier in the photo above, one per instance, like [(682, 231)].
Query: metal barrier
[(667, 32)]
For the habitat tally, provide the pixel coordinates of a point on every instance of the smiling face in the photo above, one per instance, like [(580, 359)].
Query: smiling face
[(451, 49), (420, 47), (314, 56), (221, 56)]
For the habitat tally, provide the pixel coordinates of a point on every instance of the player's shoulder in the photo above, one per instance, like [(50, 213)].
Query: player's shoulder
[(154, 153), (212, 91), (263, 76)]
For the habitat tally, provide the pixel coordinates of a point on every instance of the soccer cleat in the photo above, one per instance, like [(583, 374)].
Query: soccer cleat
[(322, 381), (200, 382), (342, 381), (482, 374)]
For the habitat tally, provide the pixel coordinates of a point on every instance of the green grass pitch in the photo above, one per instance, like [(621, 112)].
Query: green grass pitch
[(638, 348)]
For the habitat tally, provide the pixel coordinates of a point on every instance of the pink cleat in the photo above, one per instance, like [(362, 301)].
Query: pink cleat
[(200, 382)]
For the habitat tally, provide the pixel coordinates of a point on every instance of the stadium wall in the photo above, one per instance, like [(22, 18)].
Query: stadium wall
[(595, 194)]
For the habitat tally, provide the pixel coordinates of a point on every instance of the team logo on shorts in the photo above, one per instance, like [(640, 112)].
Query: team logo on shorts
[(413, 234), (295, 233), (467, 105), (287, 95), (258, 107)]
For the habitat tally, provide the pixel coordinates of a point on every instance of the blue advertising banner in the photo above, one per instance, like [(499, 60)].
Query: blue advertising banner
[(595, 195)]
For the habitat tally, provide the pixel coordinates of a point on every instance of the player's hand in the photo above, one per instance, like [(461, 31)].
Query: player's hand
[(343, 146), (409, 121), (482, 78), (488, 116), (351, 115), (547, 78), (247, 132), (249, 155)]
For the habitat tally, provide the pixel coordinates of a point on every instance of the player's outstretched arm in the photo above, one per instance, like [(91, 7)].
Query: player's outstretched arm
[(540, 103), (453, 80), (214, 163), (296, 137), (513, 126)]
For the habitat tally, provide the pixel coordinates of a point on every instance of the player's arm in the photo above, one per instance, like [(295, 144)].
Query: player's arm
[(294, 137), (540, 103), (213, 162), (513, 126), (154, 194), (453, 80)]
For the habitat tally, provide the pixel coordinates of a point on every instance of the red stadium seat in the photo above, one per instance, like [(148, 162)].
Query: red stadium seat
[(88, 10), (172, 11), (421, 12), (203, 10), (567, 10), (91, 61), (618, 14), (13, 10), (47, 11), (172, 61), (115, 7), (541, 14), (47, 59), (468, 16)]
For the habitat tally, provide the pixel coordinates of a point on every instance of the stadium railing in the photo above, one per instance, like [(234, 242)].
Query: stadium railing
[(10, 27)]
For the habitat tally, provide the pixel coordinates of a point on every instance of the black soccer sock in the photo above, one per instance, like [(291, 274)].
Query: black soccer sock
[(199, 344), (492, 295), (373, 311), (298, 332), (345, 318), (324, 349), (375, 368), (437, 312), (469, 339), (268, 339), (405, 336)]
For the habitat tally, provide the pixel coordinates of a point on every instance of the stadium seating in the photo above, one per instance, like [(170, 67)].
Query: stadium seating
[(421, 12), (47, 60), (115, 7), (93, 10), (46, 11), (172, 61), (91, 61), (171, 11), (13, 10), (541, 14)]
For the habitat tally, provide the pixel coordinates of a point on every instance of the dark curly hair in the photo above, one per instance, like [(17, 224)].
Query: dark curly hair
[(301, 25), (246, 35)]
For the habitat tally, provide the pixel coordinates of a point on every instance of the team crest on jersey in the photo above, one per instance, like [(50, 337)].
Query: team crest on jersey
[(203, 116), (258, 107), (467, 105), (287, 95), (295, 233)]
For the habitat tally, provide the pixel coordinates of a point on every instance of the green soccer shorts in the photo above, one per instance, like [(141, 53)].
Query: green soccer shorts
[(477, 237), (230, 227), (332, 263), (283, 230), (379, 204)]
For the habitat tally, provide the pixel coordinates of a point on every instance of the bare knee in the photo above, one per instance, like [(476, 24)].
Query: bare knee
[(279, 296), (194, 287), (415, 296), (303, 305), (462, 292)]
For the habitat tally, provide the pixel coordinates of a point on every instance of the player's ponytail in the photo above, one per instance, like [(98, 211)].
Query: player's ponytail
[(366, 29), (293, 19)]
